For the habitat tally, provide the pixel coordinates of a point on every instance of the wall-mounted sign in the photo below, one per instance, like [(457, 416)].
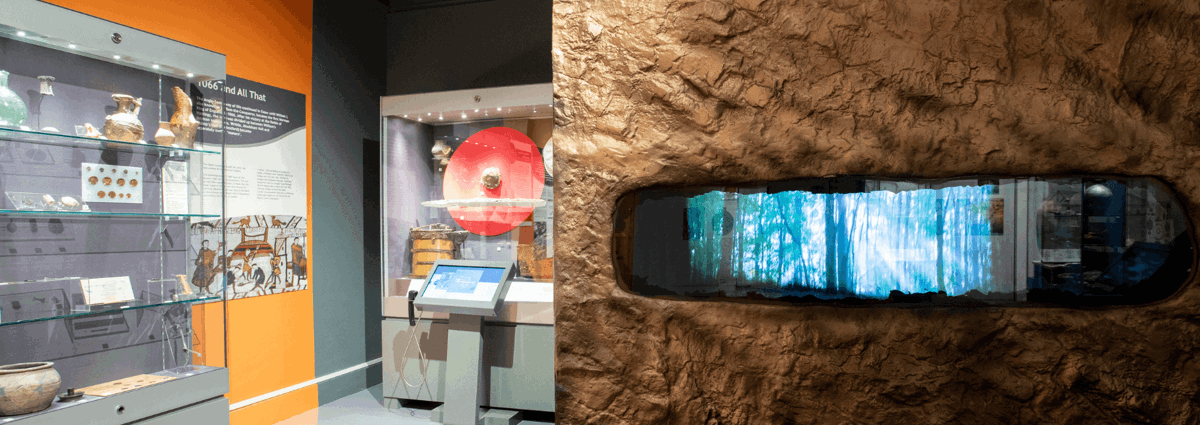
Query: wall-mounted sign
[(266, 191)]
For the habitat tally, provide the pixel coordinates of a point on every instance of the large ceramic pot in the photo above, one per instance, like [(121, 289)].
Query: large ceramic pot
[(124, 125), (183, 123), (27, 387), (12, 109)]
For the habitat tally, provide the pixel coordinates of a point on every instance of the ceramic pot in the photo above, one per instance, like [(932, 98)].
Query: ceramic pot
[(27, 387), (183, 123), (124, 125), (164, 136), (12, 109)]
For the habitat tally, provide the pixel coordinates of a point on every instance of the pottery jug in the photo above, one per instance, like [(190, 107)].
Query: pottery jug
[(27, 387), (124, 125), (12, 109), (183, 123)]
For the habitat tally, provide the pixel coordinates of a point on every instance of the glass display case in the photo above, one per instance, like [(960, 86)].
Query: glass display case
[(467, 175), (111, 167)]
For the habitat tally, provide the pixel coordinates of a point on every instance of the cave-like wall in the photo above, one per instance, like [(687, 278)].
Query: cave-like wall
[(681, 92)]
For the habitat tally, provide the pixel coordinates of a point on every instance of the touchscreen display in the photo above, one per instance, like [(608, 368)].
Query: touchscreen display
[(464, 283)]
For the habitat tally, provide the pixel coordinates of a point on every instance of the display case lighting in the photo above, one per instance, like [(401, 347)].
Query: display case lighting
[(499, 109), (117, 57), (190, 75), (476, 110), (20, 33), (440, 118), (72, 46), (419, 119), (155, 66)]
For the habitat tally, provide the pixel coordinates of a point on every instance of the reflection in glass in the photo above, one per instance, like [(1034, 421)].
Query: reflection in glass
[(1086, 241)]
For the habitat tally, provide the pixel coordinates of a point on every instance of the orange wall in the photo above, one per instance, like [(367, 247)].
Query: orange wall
[(270, 339)]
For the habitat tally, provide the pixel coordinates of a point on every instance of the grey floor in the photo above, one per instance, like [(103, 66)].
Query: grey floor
[(366, 407)]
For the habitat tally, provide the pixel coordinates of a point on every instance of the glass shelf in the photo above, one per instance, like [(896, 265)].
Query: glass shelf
[(95, 310), (103, 214), (29, 136)]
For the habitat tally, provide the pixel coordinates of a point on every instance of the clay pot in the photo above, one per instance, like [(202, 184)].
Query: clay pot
[(124, 125), (164, 136), (27, 387), (183, 123)]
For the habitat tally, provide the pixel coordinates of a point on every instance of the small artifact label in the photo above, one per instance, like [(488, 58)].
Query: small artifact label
[(108, 290), (175, 187)]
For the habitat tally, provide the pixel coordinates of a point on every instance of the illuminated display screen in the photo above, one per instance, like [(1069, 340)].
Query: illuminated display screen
[(464, 283), (1111, 240)]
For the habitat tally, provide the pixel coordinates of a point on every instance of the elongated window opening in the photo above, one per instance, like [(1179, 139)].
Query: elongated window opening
[(1077, 241)]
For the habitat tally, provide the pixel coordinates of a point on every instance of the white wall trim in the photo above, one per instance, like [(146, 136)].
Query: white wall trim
[(310, 382)]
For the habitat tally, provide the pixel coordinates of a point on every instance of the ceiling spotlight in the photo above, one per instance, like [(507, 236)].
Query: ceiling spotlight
[(190, 75), (499, 109), (440, 118), (429, 114), (464, 116), (117, 57), (71, 46), (419, 119), (155, 66), (476, 110), (406, 116), (20, 33)]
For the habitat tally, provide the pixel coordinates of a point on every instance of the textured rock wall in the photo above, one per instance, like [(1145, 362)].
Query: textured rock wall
[(683, 92)]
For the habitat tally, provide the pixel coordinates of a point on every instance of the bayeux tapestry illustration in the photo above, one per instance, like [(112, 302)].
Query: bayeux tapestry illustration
[(258, 255)]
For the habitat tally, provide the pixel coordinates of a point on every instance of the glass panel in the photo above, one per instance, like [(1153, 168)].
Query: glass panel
[(82, 141), (1091, 241)]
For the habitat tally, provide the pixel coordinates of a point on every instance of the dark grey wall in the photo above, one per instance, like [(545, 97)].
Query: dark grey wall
[(468, 45), (348, 79)]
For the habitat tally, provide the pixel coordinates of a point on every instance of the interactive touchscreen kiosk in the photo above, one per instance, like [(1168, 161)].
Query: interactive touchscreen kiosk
[(465, 287), (469, 291)]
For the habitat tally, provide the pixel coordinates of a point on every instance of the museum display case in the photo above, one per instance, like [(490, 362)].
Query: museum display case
[(111, 166), (468, 175)]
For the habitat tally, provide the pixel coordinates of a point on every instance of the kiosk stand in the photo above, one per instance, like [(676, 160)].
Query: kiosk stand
[(469, 291)]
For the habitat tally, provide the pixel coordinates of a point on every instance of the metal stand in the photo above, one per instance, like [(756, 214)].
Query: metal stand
[(464, 373)]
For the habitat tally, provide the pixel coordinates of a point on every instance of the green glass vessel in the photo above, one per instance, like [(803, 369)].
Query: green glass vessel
[(12, 109)]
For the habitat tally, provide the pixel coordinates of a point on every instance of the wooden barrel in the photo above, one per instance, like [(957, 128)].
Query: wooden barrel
[(427, 251)]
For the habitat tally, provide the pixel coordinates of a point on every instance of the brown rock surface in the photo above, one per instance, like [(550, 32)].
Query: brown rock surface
[(686, 92)]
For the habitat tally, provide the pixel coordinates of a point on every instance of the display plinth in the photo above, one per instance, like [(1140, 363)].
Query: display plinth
[(465, 346), (464, 373), (191, 385)]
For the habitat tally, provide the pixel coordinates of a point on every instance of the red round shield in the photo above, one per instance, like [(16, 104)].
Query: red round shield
[(522, 176)]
